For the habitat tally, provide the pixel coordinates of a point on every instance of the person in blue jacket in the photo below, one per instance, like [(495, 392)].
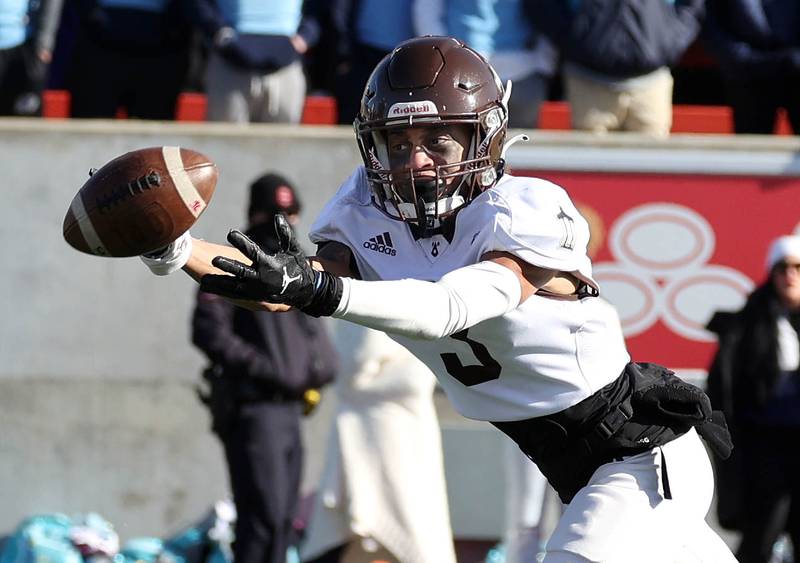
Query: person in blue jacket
[(255, 65), (27, 36), (504, 33), (366, 31)]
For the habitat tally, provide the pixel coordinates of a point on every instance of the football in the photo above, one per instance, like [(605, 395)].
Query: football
[(140, 201)]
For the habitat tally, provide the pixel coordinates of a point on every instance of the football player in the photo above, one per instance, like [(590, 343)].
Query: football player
[(484, 276)]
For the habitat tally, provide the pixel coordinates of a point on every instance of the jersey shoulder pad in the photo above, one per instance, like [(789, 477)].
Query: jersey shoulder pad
[(354, 191), (538, 222)]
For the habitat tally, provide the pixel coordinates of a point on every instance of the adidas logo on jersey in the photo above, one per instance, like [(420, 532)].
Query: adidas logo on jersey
[(381, 243)]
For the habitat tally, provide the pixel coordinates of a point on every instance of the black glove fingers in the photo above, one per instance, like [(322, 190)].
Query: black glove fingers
[(226, 286), (235, 268), (245, 245), (286, 238), (284, 276)]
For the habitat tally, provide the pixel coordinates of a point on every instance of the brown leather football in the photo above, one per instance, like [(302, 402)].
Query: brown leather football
[(140, 201)]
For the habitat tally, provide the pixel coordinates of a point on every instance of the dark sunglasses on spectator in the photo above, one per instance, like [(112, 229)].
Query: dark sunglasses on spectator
[(784, 267)]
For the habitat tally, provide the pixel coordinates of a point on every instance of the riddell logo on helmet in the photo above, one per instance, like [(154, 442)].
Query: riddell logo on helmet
[(401, 109)]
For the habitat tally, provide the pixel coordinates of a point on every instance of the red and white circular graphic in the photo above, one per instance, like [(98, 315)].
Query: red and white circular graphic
[(662, 240)]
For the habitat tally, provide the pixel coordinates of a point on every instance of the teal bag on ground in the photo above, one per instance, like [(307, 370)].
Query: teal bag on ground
[(43, 538), (142, 550)]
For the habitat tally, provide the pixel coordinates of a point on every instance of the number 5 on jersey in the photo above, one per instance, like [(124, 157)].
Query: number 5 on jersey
[(474, 374)]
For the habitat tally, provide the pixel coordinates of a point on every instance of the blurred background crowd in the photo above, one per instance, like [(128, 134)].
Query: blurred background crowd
[(596, 65)]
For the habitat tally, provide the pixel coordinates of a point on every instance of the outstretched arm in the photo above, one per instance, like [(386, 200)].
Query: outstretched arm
[(203, 252), (333, 257), (420, 309), (200, 264), (460, 299), (196, 257)]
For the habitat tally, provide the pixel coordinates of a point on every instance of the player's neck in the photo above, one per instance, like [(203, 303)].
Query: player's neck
[(447, 229)]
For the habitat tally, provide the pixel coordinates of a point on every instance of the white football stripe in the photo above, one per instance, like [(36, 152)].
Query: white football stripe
[(86, 227), (189, 194)]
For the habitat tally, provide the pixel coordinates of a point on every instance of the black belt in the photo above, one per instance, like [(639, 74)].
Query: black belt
[(568, 446), (645, 407)]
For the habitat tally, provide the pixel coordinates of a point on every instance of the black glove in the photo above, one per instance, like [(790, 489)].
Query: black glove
[(283, 277)]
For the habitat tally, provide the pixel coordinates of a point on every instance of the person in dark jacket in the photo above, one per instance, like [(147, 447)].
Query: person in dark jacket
[(757, 44), (755, 380), (262, 366), (129, 53), (617, 58)]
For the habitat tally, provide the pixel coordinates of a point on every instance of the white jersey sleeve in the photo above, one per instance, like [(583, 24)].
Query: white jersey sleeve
[(420, 309), (536, 221)]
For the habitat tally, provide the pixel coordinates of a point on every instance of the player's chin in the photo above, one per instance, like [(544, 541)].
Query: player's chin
[(423, 180)]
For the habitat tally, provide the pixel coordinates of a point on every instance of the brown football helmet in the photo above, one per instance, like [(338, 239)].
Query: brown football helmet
[(429, 81)]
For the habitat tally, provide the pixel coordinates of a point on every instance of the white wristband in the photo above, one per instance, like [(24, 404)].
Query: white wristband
[(172, 258)]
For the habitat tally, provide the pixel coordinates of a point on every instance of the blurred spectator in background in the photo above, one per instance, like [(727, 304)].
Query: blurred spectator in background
[(617, 58), (383, 494), (755, 380), (757, 44), (321, 59), (366, 31), (129, 53), (264, 367), (255, 66), (501, 31), (27, 33)]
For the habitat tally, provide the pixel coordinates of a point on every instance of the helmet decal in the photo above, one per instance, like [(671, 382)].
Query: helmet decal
[(404, 109), (373, 160)]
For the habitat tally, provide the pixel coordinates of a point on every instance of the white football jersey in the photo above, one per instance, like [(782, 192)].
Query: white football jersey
[(540, 358)]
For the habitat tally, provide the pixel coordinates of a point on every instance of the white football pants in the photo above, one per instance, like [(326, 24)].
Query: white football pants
[(621, 515)]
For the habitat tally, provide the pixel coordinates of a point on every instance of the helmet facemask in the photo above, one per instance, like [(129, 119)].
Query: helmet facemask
[(429, 196)]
